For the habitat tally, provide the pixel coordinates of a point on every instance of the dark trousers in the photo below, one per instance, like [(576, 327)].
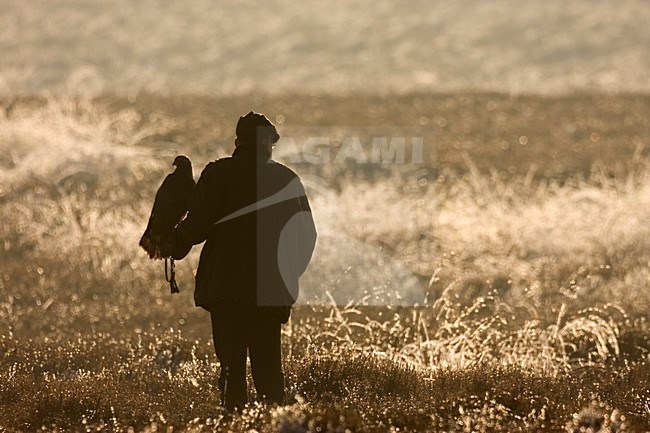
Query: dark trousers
[(236, 331)]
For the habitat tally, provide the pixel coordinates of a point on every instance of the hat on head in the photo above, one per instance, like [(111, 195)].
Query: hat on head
[(255, 128)]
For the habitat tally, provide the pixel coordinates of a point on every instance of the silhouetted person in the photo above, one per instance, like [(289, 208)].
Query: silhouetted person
[(255, 218)]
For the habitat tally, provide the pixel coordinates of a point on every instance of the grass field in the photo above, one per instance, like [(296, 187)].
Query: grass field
[(524, 231)]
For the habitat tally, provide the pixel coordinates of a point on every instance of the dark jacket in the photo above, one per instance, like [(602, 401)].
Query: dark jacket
[(255, 218)]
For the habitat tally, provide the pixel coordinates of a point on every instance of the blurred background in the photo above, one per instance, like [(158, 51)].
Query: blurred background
[(226, 48)]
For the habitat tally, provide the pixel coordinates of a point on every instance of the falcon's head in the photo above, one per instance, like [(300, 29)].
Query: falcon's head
[(182, 162)]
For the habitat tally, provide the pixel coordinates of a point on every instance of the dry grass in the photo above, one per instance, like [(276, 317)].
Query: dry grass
[(100, 381)]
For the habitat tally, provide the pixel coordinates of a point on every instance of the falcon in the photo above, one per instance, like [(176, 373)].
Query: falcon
[(169, 207)]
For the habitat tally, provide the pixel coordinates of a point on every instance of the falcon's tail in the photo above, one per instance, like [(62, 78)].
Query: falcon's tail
[(151, 242)]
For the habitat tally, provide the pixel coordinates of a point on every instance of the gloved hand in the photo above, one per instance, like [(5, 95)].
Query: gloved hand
[(167, 246), (172, 246)]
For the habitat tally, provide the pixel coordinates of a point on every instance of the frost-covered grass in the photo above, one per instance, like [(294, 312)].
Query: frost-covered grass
[(535, 279), (370, 379)]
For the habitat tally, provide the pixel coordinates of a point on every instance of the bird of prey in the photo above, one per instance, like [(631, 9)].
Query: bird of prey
[(169, 207)]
